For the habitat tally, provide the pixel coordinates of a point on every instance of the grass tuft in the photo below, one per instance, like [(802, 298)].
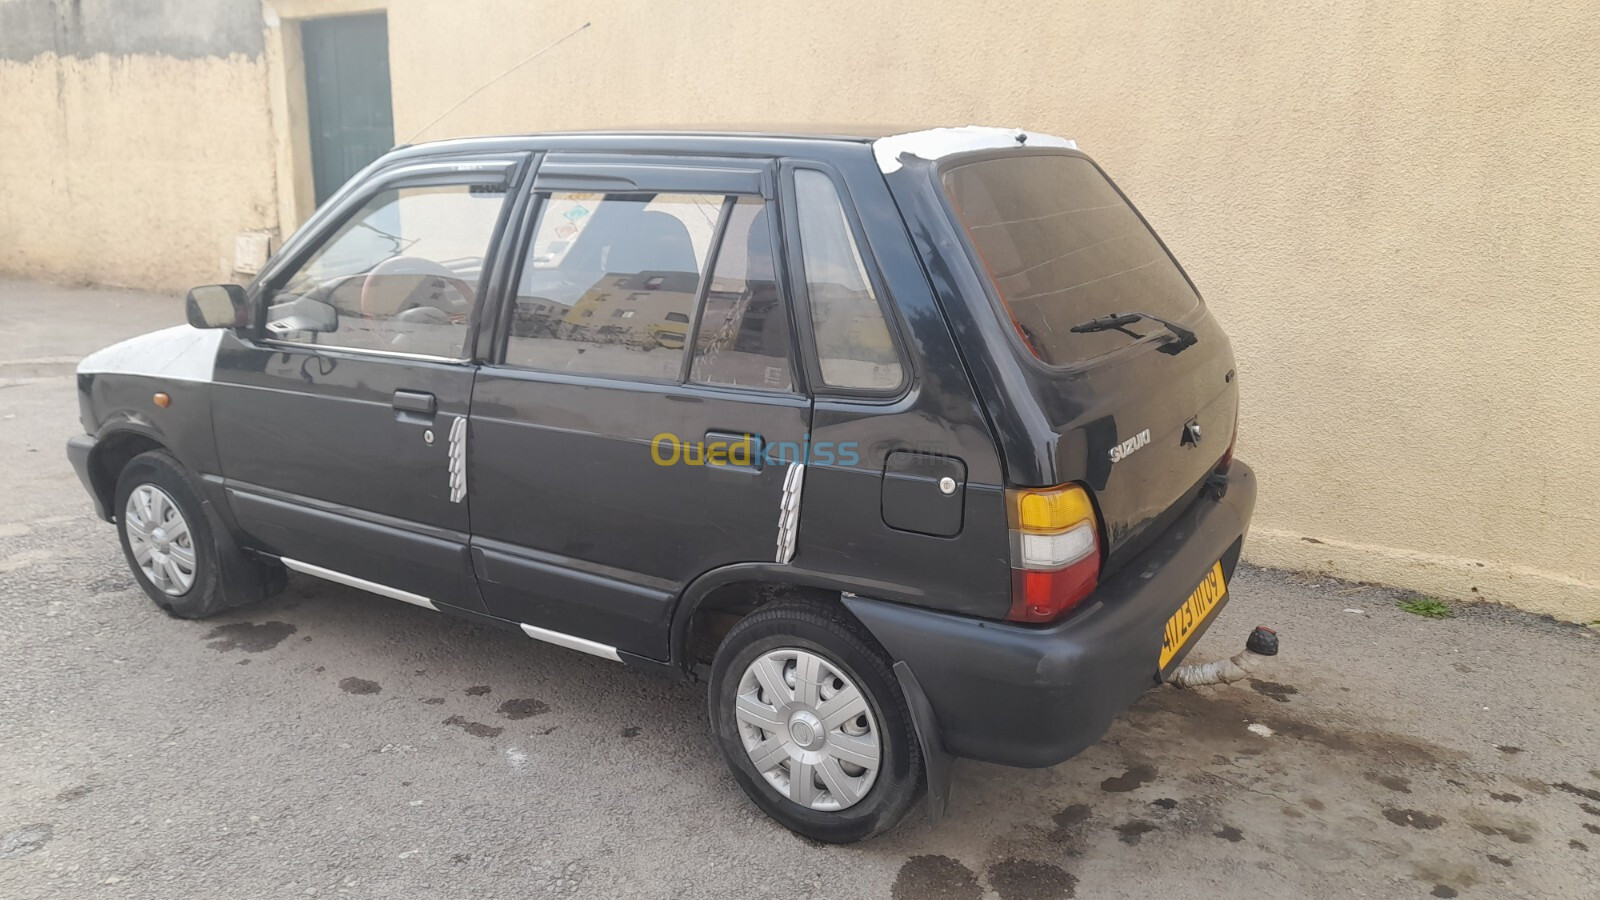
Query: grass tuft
[(1426, 607)]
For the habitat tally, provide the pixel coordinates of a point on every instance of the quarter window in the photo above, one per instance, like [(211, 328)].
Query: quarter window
[(854, 347), (402, 274), (744, 328), (595, 257)]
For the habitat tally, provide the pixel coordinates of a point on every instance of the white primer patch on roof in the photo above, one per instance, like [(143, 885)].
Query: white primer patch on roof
[(182, 353), (936, 143)]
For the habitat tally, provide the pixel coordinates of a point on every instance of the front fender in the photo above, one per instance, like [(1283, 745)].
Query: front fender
[(121, 420), (125, 405), (118, 385)]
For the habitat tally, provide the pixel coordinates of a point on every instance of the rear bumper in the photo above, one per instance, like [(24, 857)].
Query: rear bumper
[(1027, 696), (79, 448)]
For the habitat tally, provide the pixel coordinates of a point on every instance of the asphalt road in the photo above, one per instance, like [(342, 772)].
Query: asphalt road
[(333, 743)]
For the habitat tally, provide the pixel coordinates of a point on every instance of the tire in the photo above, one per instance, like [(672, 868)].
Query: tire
[(782, 637), (169, 501)]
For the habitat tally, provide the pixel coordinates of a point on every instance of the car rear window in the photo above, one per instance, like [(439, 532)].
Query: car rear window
[(1063, 247)]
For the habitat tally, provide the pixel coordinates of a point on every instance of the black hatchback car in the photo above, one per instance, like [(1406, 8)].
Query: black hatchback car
[(915, 447)]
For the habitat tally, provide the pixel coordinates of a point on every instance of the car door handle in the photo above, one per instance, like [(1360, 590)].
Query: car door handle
[(740, 450), (419, 402)]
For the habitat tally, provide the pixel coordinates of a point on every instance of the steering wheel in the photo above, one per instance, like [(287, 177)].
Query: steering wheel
[(432, 283)]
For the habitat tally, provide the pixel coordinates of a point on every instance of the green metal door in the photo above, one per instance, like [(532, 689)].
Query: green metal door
[(348, 103)]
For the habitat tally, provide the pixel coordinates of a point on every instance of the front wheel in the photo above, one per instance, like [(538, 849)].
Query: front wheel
[(167, 538), (811, 720)]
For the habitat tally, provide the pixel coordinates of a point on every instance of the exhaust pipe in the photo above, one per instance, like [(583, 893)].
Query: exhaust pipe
[(1262, 643)]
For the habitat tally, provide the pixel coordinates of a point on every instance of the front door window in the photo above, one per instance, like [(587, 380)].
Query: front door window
[(401, 275)]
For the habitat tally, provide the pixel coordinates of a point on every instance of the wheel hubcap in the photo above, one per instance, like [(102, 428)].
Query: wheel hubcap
[(808, 729), (159, 537), (805, 729)]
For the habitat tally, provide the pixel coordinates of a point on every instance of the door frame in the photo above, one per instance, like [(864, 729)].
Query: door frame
[(364, 527), (640, 606), (350, 105), (286, 99)]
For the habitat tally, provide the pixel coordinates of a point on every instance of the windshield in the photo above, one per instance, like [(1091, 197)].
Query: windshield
[(1063, 247)]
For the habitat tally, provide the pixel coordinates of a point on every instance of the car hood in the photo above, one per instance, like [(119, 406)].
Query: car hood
[(181, 352)]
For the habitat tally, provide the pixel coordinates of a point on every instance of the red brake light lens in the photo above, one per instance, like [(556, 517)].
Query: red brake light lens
[(1041, 597)]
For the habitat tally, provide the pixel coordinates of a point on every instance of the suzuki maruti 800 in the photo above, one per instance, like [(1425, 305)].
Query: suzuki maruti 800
[(911, 447)]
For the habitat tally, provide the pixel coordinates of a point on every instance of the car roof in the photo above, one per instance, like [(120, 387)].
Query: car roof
[(851, 132), (723, 140), (887, 142)]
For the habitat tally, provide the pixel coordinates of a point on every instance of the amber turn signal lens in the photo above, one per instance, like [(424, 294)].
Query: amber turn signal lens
[(162, 400), (1051, 510)]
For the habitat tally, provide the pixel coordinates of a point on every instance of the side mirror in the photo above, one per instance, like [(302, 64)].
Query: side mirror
[(218, 306)]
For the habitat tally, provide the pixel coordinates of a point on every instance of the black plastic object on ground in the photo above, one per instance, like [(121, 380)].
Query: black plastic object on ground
[(1262, 640)]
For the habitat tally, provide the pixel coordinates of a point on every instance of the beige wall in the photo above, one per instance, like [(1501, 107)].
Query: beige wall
[(1394, 209), (134, 169)]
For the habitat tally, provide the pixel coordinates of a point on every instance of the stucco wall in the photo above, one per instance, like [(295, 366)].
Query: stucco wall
[(136, 143), (1394, 209)]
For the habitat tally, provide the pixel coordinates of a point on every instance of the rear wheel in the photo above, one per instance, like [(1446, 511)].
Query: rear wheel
[(168, 541), (809, 715)]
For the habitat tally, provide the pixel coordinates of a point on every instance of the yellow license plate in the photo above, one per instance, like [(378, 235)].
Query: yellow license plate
[(1186, 621)]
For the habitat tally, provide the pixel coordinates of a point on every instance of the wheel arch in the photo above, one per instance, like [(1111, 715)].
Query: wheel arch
[(718, 599), (113, 450)]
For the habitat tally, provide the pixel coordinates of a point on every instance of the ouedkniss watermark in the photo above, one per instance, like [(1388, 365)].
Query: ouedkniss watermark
[(667, 449)]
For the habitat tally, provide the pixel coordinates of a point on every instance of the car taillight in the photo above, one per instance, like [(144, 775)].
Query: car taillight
[(1055, 551)]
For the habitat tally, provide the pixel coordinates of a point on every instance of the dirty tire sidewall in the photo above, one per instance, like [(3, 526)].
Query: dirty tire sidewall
[(831, 632), (159, 468)]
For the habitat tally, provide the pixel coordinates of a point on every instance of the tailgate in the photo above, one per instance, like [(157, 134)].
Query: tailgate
[(1158, 425), (1124, 361)]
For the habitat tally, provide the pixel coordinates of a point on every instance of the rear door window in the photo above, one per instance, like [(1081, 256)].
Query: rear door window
[(1062, 247), (610, 282)]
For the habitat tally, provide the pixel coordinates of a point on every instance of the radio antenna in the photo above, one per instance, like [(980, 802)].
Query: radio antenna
[(530, 58)]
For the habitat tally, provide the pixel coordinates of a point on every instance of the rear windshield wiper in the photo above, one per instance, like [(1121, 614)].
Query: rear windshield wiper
[(1121, 321)]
